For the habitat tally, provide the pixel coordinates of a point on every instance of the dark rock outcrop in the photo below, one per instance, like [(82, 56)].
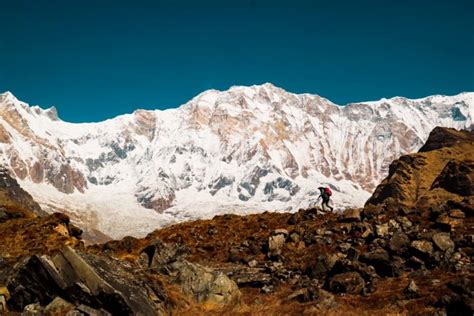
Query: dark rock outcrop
[(457, 177), (441, 137), (13, 199), (80, 279), (445, 162)]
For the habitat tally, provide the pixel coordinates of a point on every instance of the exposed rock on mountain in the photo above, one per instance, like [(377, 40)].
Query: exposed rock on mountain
[(14, 201), (443, 170), (243, 150)]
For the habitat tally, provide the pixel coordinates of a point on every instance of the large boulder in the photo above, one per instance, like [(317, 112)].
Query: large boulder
[(158, 255), (203, 284), (80, 279)]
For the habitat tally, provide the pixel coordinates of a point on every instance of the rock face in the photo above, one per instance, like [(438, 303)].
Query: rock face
[(457, 177), (248, 148), (13, 197), (442, 170), (42, 279), (444, 138)]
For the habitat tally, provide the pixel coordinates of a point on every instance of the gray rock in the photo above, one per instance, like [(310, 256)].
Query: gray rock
[(344, 247), (393, 224), (405, 222), (267, 289), (398, 242), (33, 309), (275, 243), (422, 246), (158, 255), (349, 282), (377, 255), (203, 284), (58, 306), (3, 215), (443, 241), (415, 262), (294, 237), (353, 254), (381, 230), (320, 267)]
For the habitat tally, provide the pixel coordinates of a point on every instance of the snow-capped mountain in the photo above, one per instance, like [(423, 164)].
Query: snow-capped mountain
[(247, 149)]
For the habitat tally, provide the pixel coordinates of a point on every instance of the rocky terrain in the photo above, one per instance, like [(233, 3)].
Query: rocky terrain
[(408, 251), (241, 151)]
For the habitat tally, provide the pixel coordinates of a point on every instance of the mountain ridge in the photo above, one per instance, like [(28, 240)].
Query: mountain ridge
[(10, 94), (244, 150)]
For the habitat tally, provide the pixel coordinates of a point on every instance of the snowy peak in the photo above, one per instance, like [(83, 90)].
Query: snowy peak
[(9, 103), (245, 149), (8, 97)]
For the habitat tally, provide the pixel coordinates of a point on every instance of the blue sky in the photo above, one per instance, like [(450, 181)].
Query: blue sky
[(97, 59)]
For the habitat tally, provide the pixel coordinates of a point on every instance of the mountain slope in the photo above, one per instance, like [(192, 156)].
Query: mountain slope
[(407, 252), (243, 150)]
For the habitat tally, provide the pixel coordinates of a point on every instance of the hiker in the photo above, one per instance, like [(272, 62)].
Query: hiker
[(325, 193)]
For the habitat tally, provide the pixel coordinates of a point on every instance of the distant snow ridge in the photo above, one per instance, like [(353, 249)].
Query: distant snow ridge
[(247, 149)]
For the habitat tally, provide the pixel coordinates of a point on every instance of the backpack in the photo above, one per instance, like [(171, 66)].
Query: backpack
[(328, 191)]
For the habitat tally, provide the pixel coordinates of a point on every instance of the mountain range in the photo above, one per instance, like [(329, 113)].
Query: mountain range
[(244, 150)]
